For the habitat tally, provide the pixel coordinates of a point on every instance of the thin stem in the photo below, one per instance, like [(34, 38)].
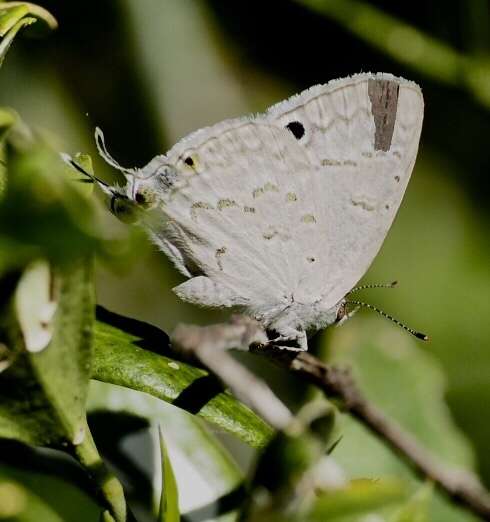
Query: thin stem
[(109, 487), (461, 486)]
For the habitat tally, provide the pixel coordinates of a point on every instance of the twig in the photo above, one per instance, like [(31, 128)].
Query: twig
[(209, 345), (460, 485)]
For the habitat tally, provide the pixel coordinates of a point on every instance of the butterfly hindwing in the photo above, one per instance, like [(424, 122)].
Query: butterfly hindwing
[(362, 134), (294, 204)]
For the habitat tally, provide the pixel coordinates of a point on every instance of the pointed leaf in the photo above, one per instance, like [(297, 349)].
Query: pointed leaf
[(11, 15), (9, 37), (169, 498), (209, 481), (12, 12)]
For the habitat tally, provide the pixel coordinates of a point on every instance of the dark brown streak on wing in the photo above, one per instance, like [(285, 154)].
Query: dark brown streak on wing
[(384, 101)]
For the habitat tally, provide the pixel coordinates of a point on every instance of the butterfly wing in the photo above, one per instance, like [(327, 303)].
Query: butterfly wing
[(362, 135), (294, 204), (235, 213)]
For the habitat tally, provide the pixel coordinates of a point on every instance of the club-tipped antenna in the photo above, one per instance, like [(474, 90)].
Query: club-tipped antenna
[(416, 334), (104, 153), (377, 285)]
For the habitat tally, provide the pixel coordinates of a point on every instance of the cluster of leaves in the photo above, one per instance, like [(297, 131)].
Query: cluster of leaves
[(52, 343)]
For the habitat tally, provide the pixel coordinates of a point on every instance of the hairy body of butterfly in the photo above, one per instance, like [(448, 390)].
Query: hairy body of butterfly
[(281, 214)]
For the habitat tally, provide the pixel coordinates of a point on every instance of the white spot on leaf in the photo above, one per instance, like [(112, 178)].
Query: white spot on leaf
[(36, 305), (79, 436)]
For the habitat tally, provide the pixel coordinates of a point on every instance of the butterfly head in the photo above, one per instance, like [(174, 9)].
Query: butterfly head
[(143, 186)]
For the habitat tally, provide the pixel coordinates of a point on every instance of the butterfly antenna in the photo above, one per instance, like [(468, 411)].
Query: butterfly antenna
[(104, 153), (70, 161), (416, 334), (378, 285)]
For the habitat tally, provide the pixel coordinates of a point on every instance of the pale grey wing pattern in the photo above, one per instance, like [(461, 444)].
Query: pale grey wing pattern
[(362, 135), (240, 214)]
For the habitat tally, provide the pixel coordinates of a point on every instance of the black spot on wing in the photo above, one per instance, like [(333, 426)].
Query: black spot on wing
[(296, 128)]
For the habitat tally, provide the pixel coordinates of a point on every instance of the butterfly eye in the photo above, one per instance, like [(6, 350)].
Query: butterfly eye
[(145, 198), (140, 198), (296, 128)]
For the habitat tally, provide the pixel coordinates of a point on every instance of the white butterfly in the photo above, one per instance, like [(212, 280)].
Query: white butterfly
[(282, 213)]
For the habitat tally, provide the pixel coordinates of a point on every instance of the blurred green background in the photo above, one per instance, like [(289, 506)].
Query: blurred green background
[(149, 72)]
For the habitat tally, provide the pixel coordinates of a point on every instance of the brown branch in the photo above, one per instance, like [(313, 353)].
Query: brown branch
[(208, 344), (461, 486)]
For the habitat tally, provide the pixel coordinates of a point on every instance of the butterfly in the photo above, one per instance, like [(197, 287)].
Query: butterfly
[(281, 214)]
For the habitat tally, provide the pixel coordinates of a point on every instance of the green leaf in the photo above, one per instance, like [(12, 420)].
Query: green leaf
[(16, 15), (10, 15), (50, 494), (9, 37), (169, 498), (46, 212), (214, 473), (118, 359), (293, 465), (416, 508), (359, 497), (290, 456), (19, 504), (47, 331), (7, 120), (106, 516), (47, 236), (405, 381), (13, 12)]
